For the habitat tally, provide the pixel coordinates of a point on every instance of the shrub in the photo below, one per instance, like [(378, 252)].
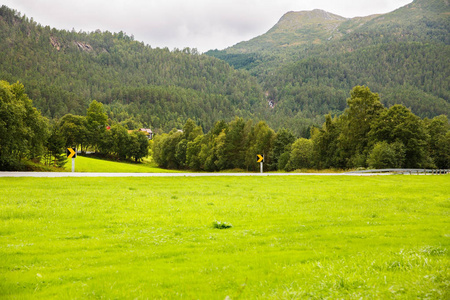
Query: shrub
[(301, 155), (221, 225), (385, 155)]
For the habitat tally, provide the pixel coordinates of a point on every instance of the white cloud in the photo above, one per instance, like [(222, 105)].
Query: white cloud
[(202, 24)]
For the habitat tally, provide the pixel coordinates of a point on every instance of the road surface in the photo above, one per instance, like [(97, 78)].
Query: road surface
[(81, 174)]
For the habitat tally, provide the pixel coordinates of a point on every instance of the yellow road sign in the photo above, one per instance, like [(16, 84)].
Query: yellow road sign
[(71, 153), (259, 158)]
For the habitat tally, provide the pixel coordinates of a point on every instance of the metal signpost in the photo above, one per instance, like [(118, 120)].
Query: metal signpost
[(72, 153), (260, 159)]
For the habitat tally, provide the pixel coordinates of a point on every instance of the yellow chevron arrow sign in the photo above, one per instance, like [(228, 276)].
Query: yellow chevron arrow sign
[(259, 158), (71, 153)]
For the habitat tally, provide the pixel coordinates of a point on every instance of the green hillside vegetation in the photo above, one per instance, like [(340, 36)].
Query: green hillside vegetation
[(319, 237), (63, 71), (27, 138), (306, 65), (309, 61), (367, 134)]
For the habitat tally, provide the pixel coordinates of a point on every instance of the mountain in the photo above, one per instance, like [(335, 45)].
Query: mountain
[(301, 34), (291, 76), (308, 61), (63, 71), (294, 29)]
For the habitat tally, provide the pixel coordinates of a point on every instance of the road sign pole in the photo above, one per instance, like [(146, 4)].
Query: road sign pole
[(260, 159), (73, 164)]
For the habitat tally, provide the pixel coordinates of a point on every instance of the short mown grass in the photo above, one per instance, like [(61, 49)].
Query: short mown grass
[(96, 165), (385, 237)]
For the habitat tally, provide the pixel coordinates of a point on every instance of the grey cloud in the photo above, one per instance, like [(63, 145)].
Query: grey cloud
[(202, 24)]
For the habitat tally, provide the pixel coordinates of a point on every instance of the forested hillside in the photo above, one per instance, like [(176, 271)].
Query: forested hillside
[(63, 71), (303, 68), (309, 61)]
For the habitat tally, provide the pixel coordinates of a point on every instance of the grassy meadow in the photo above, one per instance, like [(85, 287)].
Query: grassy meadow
[(385, 237), (92, 164)]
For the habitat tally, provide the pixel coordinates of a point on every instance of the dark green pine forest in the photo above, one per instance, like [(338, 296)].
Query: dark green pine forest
[(316, 91)]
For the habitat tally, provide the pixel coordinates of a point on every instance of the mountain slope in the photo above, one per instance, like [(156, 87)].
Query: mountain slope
[(63, 71), (309, 61), (293, 29), (306, 33), (306, 65)]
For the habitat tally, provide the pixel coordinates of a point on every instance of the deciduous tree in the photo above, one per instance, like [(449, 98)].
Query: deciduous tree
[(399, 124), (96, 123)]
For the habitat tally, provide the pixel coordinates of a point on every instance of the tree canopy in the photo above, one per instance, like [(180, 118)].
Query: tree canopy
[(366, 135)]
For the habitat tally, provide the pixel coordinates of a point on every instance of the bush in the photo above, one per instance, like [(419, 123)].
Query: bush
[(11, 164), (221, 225), (301, 156), (385, 155), (283, 161)]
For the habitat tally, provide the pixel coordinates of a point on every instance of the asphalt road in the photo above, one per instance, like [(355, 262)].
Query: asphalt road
[(80, 174)]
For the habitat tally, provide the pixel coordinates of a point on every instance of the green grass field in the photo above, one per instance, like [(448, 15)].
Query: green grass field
[(385, 237), (90, 164)]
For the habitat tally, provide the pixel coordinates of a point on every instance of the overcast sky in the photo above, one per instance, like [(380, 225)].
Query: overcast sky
[(201, 24)]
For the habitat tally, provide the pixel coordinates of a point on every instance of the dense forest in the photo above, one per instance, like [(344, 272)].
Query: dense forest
[(63, 71), (367, 134)]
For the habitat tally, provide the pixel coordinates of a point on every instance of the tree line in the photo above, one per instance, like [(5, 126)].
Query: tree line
[(26, 135), (367, 134)]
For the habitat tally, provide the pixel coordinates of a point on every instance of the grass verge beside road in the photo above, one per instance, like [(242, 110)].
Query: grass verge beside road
[(290, 237), (91, 164)]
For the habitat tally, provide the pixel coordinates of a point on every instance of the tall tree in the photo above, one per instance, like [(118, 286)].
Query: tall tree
[(438, 144), (301, 156), (399, 124), (138, 147), (234, 144), (23, 131), (259, 141), (56, 145), (116, 141), (96, 123), (281, 145), (363, 107), (74, 130), (193, 153), (326, 146)]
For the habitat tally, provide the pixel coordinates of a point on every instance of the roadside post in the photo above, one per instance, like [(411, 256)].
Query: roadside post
[(260, 159), (72, 153)]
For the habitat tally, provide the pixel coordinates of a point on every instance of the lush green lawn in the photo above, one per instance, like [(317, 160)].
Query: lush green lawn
[(89, 164), (292, 238)]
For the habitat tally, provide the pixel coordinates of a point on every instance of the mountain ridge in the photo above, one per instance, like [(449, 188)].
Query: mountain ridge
[(301, 20)]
